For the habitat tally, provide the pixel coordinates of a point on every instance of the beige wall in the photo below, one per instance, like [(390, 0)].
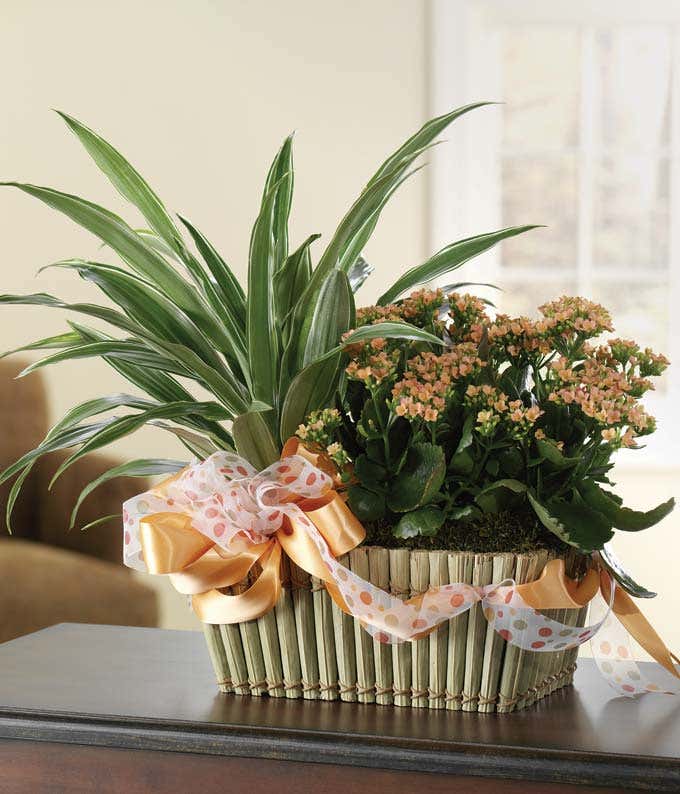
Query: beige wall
[(199, 95)]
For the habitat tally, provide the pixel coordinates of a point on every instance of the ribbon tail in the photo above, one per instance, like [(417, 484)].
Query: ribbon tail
[(637, 625), (215, 607), (555, 590)]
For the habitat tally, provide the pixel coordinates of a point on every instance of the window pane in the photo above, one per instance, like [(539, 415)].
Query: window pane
[(631, 212), (635, 69), (522, 299), (540, 190), (639, 311), (540, 73)]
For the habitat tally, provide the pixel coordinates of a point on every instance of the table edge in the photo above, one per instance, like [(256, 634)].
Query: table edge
[(287, 744)]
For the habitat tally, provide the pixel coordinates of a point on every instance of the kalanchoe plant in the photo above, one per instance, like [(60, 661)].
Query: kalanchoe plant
[(176, 316), (513, 415)]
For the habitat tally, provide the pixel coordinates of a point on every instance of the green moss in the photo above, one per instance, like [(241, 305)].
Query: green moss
[(500, 532)]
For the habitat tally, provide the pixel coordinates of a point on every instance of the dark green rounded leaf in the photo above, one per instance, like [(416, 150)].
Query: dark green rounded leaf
[(424, 521), (419, 480), (366, 505)]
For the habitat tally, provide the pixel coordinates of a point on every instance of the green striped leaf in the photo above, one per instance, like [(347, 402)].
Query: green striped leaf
[(161, 387), (225, 281), (69, 438), (127, 181), (119, 427), (311, 389), (290, 283), (126, 350), (59, 341), (199, 445), (262, 331), (102, 520), (449, 258), (113, 231), (391, 331), (281, 171), (144, 467), (146, 305), (334, 316), (254, 440), (13, 495), (425, 135)]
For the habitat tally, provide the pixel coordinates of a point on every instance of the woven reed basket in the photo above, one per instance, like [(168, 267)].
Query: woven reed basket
[(308, 648)]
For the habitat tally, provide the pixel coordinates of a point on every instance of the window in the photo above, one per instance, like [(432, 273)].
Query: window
[(587, 142)]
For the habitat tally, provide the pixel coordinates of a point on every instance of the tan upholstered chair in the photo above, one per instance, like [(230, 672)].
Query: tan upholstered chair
[(49, 575)]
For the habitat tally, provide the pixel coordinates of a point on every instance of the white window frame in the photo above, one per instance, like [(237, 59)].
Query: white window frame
[(462, 38)]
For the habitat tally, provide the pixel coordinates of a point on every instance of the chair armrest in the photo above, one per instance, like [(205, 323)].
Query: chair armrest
[(41, 586), (55, 506)]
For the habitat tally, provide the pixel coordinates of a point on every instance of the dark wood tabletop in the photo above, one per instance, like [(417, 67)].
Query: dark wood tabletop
[(125, 709)]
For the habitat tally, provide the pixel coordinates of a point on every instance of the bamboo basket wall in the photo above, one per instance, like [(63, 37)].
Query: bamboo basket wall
[(308, 648)]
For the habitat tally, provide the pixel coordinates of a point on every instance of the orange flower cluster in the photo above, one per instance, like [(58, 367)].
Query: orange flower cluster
[(604, 393), (493, 407), (429, 381), (519, 335), (376, 361), (320, 430), (566, 320), (420, 308), (569, 316), (641, 363), (469, 317), (373, 363)]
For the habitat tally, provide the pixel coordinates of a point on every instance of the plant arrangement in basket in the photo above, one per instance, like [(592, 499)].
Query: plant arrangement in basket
[(444, 425), (502, 438), (452, 427)]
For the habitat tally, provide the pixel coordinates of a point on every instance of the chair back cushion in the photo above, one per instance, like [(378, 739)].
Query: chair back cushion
[(24, 423)]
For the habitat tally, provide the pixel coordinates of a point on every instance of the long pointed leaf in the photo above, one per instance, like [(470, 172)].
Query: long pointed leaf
[(449, 258), (341, 252), (227, 283), (334, 316), (123, 426), (354, 247), (197, 444), (143, 467), (311, 389), (262, 331), (69, 438), (144, 303), (118, 235), (13, 495), (160, 386), (127, 350), (127, 181), (281, 172), (291, 281), (425, 135), (58, 342), (254, 439), (102, 520)]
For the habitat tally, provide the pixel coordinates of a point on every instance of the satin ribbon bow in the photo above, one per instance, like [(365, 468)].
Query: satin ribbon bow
[(212, 523)]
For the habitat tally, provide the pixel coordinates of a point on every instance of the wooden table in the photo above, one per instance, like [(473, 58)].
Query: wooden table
[(108, 709)]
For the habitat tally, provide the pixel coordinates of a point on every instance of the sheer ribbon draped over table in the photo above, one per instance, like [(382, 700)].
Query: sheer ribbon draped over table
[(208, 525)]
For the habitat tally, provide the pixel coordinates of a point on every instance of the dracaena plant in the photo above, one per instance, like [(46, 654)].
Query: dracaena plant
[(512, 416), (267, 355)]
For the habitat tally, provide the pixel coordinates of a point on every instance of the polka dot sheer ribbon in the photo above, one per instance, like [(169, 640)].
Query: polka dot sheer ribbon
[(210, 523)]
